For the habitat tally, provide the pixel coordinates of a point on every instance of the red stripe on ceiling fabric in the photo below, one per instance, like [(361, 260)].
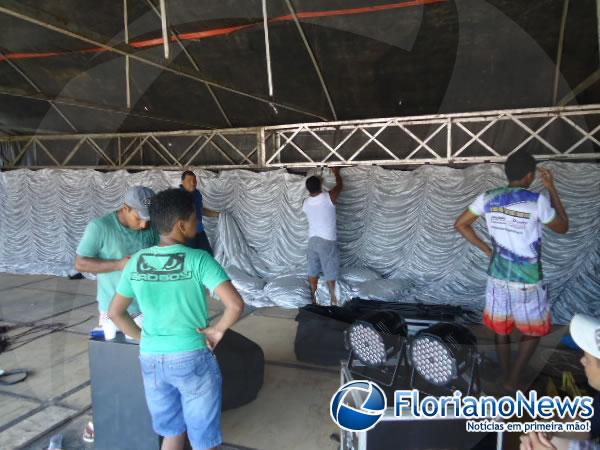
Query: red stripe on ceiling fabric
[(352, 11), (196, 35)]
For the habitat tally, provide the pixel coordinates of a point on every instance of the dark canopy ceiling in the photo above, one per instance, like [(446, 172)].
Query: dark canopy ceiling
[(63, 64)]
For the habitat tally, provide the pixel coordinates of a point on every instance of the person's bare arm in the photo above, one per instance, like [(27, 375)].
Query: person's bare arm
[(210, 212), (234, 306), (464, 226), (561, 223), (339, 184), (97, 265), (121, 318)]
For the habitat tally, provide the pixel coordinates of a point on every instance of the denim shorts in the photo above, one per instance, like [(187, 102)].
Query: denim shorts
[(323, 256), (183, 393)]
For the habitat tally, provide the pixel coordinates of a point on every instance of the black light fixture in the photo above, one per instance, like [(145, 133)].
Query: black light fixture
[(444, 359), (377, 344)]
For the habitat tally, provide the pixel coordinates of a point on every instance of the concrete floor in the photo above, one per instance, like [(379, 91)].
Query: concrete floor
[(54, 316)]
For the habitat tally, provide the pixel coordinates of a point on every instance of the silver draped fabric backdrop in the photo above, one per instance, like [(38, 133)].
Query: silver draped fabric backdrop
[(395, 230)]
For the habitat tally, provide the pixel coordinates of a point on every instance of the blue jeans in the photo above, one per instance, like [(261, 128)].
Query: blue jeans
[(183, 393)]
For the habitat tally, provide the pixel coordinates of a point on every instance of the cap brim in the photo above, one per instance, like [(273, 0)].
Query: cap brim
[(583, 331), (143, 216)]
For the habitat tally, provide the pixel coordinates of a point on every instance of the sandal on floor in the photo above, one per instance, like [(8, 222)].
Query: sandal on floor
[(56, 442), (88, 433), (9, 377)]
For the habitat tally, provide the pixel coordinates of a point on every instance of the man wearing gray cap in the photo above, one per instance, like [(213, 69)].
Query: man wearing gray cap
[(109, 241), (585, 331), (107, 244)]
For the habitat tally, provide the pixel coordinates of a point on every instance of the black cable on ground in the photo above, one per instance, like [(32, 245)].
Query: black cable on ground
[(15, 342)]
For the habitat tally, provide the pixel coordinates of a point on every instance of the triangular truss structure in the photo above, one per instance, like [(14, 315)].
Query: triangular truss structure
[(557, 133)]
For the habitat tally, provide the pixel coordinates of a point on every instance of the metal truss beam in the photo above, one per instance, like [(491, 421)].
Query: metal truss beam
[(365, 140), (445, 139)]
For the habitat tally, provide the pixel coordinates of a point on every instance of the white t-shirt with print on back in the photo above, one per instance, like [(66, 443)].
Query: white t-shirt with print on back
[(514, 218)]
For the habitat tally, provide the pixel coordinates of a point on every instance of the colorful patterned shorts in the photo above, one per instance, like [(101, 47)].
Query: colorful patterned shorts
[(509, 304)]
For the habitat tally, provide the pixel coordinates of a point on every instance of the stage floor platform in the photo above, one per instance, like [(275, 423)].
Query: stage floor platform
[(55, 315)]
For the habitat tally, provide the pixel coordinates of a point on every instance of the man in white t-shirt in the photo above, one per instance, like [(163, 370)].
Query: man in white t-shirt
[(323, 253), (515, 295)]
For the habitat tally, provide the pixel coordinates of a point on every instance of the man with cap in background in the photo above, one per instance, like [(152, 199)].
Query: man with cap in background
[(107, 244), (585, 331)]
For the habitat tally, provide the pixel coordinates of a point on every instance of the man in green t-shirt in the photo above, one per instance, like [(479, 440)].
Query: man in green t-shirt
[(182, 379), (107, 244)]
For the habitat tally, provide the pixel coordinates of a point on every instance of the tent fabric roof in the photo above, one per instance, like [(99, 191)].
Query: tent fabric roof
[(377, 58)]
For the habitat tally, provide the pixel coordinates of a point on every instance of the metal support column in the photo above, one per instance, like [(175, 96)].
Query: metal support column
[(559, 51)]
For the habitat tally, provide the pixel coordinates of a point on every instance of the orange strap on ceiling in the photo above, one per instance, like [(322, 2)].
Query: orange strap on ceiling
[(196, 35)]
